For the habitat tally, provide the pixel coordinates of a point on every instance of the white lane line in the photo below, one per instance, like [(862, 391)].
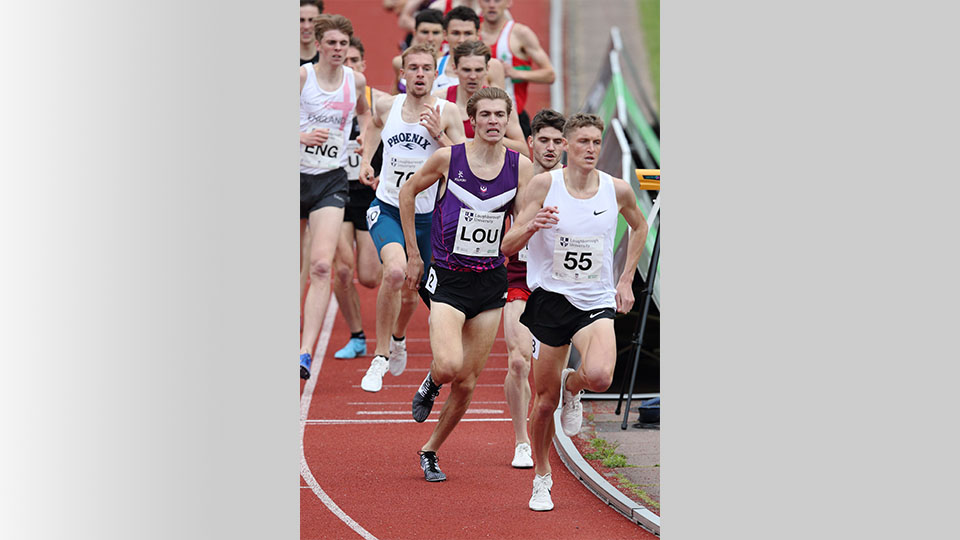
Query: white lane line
[(469, 411), (336, 421), (409, 354), (320, 351), (424, 370), (408, 403), (418, 386), (421, 339)]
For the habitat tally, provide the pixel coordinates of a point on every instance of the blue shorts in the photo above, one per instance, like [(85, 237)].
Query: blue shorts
[(384, 222)]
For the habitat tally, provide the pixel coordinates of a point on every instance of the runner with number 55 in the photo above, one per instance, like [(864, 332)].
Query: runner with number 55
[(568, 222)]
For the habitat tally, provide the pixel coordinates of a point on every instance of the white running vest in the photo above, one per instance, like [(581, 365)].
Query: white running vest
[(406, 146), (331, 110), (575, 257), (443, 80)]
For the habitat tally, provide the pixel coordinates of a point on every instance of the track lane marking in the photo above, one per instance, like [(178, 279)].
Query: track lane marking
[(320, 351)]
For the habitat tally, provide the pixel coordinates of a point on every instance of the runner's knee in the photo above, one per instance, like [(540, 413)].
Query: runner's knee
[(367, 278), (518, 366), (544, 406), (320, 270), (344, 273), (393, 276), (598, 378)]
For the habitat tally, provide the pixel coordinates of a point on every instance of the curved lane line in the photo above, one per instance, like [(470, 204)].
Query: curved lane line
[(320, 351)]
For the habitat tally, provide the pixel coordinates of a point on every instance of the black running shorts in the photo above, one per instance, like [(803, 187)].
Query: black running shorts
[(320, 190), (553, 320), (356, 210), (470, 293)]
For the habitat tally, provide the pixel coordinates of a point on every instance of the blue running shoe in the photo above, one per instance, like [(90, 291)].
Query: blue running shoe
[(305, 361), (354, 348)]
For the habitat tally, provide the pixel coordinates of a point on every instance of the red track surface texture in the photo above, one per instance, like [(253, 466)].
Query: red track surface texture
[(371, 471)]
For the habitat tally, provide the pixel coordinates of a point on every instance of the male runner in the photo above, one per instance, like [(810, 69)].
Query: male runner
[(471, 59), (547, 144), (429, 29), (568, 221), (467, 281), (459, 25), (516, 46), (329, 95), (354, 229), (412, 127), (309, 11)]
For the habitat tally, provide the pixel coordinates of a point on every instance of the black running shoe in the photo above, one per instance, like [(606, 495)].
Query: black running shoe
[(431, 470), (423, 399)]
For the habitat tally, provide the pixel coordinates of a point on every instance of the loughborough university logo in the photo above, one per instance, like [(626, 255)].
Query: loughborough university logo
[(564, 241)]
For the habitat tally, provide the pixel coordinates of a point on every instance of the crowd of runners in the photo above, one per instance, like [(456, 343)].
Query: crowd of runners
[(443, 189)]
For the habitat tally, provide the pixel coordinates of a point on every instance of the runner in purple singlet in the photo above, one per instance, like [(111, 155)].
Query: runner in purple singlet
[(467, 280)]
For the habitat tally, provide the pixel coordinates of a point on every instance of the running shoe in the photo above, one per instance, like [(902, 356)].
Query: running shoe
[(423, 399), (373, 380), (522, 456), (305, 362), (431, 468), (398, 356), (571, 418), (354, 348), (540, 501)]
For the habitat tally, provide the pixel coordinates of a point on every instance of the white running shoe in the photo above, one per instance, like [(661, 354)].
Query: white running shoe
[(398, 356), (540, 501), (571, 418), (522, 456), (373, 380)]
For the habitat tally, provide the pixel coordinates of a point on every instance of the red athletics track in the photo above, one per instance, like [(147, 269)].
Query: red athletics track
[(360, 452)]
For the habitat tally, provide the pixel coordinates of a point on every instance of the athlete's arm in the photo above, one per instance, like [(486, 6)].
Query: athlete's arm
[(452, 126), (530, 45), (397, 72), (513, 139), (627, 201), (406, 20), (495, 76), (435, 167), (362, 107), (372, 136), (533, 215), (317, 136)]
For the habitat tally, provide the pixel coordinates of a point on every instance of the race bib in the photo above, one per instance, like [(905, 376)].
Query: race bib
[(431, 285), (522, 254), (577, 258), (353, 161), (396, 171), (478, 233), (373, 213), (326, 156)]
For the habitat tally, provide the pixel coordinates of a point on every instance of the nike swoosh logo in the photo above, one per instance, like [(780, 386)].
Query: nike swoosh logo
[(592, 315), (598, 213)]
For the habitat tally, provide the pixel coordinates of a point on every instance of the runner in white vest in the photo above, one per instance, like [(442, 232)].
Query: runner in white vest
[(412, 127), (329, 95), (568, 222)]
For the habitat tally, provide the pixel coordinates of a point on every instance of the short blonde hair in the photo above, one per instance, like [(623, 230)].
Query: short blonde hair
[(580, 120), (424, 48)]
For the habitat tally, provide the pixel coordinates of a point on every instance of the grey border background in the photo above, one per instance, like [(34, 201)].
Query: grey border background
[(148, 296)]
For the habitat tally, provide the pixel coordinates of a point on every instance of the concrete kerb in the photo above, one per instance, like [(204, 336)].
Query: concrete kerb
[(598, 484)]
